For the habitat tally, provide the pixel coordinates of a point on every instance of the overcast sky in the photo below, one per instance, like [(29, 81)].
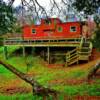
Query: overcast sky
[(42, 2)]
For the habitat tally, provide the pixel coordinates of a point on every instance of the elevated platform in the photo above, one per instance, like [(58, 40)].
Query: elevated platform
[(82, 49), (66, 42)]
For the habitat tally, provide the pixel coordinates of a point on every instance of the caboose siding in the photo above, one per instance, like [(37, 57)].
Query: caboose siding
[(51, 30), (26, 32)]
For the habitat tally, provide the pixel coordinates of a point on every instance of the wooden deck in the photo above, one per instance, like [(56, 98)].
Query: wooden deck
[(82, 49), (43, 43)]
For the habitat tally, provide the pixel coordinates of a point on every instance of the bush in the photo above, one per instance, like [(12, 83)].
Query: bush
[(96, 40)]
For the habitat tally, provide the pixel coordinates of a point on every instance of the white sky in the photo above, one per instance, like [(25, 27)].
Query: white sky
[(42, 2)]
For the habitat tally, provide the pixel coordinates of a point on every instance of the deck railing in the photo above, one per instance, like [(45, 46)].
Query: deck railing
[(72, 56), (17, 41)]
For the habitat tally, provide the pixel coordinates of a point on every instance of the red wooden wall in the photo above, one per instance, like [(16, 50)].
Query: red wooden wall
[(54, 29)]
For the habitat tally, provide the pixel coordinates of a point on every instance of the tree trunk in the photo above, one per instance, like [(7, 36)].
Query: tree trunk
[(37, 88), (93, 71)]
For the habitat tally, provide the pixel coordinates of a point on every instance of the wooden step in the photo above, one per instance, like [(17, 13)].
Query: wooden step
[(83, 57), (84, 50), (86, 44)]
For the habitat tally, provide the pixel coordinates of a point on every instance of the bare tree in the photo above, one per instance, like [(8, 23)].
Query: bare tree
[(38, 10)]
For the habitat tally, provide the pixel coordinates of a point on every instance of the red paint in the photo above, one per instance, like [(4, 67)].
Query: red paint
[(51, 30)]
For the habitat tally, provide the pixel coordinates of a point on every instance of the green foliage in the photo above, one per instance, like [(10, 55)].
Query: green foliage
[(17, 28), (7, 18), (97, 20), (89, 7), (96, 40)]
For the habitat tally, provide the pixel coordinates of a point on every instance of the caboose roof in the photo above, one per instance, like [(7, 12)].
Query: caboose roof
[(51, 19)]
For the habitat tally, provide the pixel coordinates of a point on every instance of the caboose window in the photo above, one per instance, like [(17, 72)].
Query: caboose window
[(60, 29), (47, 22), (72, 29), (33, 31)]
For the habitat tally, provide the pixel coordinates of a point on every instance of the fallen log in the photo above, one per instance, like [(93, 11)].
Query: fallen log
[(37, 88), (93, 71)]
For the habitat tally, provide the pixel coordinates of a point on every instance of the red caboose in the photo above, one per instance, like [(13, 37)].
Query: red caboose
[(52, 28)]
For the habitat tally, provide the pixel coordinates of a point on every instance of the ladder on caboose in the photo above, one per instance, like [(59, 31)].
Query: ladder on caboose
[(83, 52)]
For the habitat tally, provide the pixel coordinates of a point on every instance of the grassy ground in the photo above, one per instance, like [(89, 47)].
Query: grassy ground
[(68, 80)]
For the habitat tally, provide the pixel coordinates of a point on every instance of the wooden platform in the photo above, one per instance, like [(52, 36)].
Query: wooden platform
[(82, 49), (69, 42)]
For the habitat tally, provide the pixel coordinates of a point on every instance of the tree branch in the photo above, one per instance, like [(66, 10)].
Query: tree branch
[(43, 10), (93, 71)]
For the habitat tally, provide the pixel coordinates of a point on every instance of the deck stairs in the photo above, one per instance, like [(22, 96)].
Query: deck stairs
[(83, 52)]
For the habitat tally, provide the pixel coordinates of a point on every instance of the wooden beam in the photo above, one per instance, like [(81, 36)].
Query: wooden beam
[(23, 49)]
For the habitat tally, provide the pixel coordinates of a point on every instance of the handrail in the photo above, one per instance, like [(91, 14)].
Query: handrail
[(85, 48), (74, 57), (81, 42), (84, 52), (44, 38), (72, 51), (70, 56), (91, 46), (28, 41), (74, 54)]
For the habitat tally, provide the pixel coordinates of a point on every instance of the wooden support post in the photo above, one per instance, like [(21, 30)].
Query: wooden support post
[(23, 51), (5, 52), (48, 55), (66, 62), (78, 56), (33, 50)]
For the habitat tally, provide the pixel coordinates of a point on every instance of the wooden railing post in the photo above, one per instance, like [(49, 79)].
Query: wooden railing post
[(48, 54), (5, 52), (23, 51)]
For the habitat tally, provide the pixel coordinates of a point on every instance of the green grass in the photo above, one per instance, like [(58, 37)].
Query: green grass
[(70, 91), (6, 73), (28, 96), (44, 75), (20, 97)]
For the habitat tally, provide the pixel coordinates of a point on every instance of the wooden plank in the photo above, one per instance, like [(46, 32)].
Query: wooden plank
[(74, 54), (83, 57), (45, 45), (72, 58), (42, 40), (45, 38), (73, 61)]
